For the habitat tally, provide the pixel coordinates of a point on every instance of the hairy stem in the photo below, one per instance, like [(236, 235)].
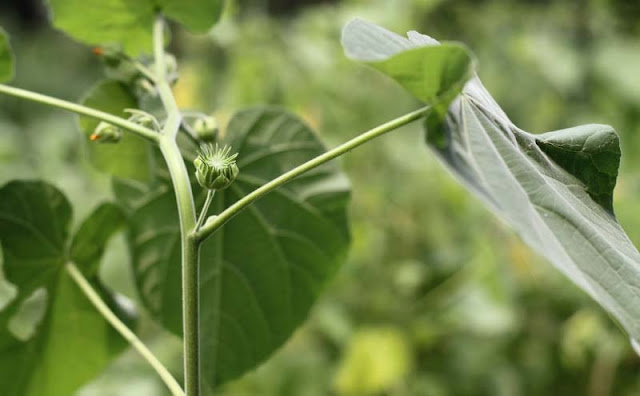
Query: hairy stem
[(164, 90), (234, 209), (126, 333), (205, 209), (190, 255), (139, 130), (187, 214)]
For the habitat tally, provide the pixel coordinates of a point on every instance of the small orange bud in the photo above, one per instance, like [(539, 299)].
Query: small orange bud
[(97, 51), (94, 137)]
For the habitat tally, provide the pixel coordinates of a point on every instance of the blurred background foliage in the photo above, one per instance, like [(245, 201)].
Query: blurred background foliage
[(438, 297)]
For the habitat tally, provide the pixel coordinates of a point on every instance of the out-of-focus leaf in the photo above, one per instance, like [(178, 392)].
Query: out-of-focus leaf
[(97, 22), (52, 340), (197, 15), (89, 242), (129, 22), (375, 361), (6, 58), (263, 270), (130, 158)]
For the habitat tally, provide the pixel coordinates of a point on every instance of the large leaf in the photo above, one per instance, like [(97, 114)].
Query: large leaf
[(129, 22), (129, 158), (52, 340), (555, 189), (263, 270), (6, 58)]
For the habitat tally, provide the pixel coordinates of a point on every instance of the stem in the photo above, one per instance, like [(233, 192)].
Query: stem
[(205, 209), (79, 109), (190, 256), (128, 335), (187, 215), (234, 209), (164, 90)]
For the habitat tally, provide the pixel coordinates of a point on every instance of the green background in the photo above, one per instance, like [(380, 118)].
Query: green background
[(438, 297)]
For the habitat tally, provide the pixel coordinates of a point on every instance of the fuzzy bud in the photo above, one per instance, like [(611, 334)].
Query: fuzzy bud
[(215, 168)]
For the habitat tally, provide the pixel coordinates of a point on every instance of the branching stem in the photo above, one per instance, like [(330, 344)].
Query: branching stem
[(82, 110), (205, 209), (242, 203), (187, 215)]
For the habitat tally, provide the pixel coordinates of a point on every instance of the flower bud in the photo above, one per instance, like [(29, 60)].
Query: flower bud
[(110, 54), (206, 128), (143, 118), (215, 168), (106, 133), (142, 87)]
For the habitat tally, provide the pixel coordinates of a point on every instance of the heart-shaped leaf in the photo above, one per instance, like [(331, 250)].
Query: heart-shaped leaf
[(131, 157), (6, 58), (263, 270), (52, 340), (129, 22)]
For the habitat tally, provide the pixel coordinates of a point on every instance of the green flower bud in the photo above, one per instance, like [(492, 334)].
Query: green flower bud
[(206, 128), (143, 118), (215, 168), (110, 54), (143, 87), (106, 133)]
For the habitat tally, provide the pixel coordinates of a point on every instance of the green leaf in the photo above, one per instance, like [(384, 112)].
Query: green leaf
[(131, 157), (89, 242), (197, 15), (97, 22), (263, 270), (433, 73), (556, 190), (52, 340), (6, 58), (129, 22)]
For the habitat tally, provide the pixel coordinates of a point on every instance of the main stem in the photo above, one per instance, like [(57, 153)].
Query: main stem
[(187, 214), (122, 328), (242, 203)]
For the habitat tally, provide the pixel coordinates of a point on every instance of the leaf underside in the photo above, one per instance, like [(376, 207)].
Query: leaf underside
[(555, 189), (52, 340), (262, 271)]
